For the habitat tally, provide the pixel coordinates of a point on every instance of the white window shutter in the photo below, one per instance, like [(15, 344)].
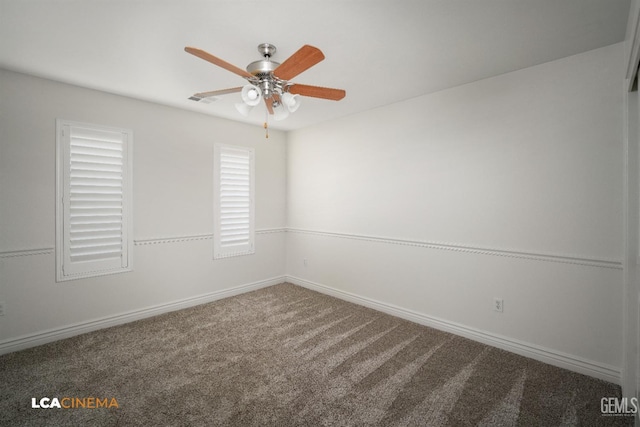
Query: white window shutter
[(95, 235), (233, 201)]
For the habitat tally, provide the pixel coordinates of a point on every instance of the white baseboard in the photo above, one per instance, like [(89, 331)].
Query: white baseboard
[(533, 351), (552, 357), (44, 337)]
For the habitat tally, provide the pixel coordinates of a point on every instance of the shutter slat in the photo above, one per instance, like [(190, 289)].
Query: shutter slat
[(93, 151), (104, 198), (95, 205), (233, 237), (239, 234), (236, 219), (95, 235), (237, 185), (235, 242), (86, 174), (83, 217), (231, 228), (96, 135), (96, 255), (95, 229), (96, 160), (95, 245), (231, 175), (79, 165), (93, 182), (81, 143), (237, 245), (234, 210), (88, 190)]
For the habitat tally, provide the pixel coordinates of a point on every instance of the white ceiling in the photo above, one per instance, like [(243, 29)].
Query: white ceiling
[(379, 51)]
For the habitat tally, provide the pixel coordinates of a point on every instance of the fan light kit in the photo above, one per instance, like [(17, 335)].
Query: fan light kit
[(270, 81)]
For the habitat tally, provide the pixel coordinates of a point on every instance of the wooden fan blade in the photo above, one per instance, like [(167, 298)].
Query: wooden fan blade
[(318, 92), (269, 102), (217, 61), (305, 58), (218, 92)]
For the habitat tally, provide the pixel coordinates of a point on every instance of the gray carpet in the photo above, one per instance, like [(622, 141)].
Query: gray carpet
[(285, 355)]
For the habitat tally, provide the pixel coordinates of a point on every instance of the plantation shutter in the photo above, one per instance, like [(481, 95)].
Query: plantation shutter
[(234, 200), (95, 200)]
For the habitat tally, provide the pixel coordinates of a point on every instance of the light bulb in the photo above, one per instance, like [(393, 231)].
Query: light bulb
[(291, 101), (251, 95)]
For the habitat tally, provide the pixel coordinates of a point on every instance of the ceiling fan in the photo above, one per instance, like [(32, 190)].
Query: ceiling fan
[(270, 81)]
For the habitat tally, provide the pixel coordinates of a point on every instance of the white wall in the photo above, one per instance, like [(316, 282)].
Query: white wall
[(631, 312), (173, 210), (507, 187)]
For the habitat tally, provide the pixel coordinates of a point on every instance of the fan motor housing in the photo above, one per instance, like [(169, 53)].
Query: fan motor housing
[(262, 68)]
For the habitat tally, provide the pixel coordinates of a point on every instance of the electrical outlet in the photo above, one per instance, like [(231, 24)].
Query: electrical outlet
[(498, 305), (1, 309)]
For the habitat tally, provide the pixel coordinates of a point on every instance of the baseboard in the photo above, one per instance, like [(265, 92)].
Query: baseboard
[(33, 340), (546, 355), (536, 352)]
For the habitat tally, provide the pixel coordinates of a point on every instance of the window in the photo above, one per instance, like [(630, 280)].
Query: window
[(93, 200), (233, 199)]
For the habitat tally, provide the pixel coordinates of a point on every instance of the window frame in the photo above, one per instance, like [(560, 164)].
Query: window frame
[(219, 251), (99, 267)]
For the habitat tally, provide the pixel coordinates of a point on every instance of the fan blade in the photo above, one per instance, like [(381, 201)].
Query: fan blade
[(317, 92), (218, 92), (305, 58), (217, 61), (269, 102)]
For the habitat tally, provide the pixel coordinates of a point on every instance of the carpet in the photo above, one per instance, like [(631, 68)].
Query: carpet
[(289, 356)]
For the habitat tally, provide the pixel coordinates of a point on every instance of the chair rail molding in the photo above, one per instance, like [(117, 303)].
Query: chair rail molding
[(447, 246), (27, 252)]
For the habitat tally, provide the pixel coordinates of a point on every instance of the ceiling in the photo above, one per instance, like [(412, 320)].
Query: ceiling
[(379, 51)]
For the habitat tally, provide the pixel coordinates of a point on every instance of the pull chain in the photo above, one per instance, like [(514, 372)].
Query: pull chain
[(266, 126)]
